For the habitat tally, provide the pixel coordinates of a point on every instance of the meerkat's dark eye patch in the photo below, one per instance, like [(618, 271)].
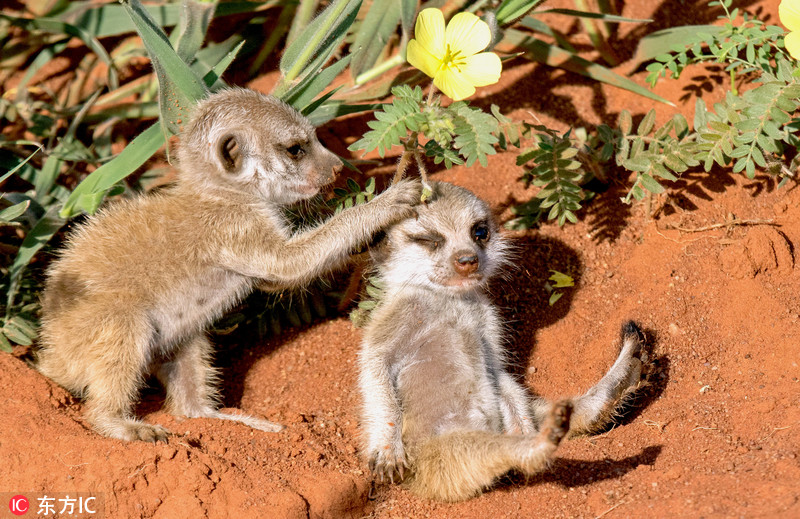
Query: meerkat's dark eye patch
[(296, 151), (230, 153), (430, 241), (480, 232)]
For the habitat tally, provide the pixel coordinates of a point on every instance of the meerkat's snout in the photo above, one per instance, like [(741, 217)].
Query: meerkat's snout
[(466, 263), (324, 169)]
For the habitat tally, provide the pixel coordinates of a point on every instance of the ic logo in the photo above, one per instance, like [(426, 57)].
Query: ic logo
[(18, 505)]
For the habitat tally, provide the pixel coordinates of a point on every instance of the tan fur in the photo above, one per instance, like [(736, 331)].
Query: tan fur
[(136, 285), (437, 397)]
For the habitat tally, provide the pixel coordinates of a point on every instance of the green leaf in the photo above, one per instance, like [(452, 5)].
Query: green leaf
[(561, 280), (20, 330), (651, 184), (217, 70), (194, 21), (646, 126), (637, 163), (367, 305), (333, 109), (662, 42), (11, 331), (179, 88), (4, 344), (625, 122), (58, 27), (302, 94), (130, 158), (700, 114), (512, 10), (391, 124), (555, 296), (314, 46), (441, 154), (374, 291), (407, 11), (374, 33), (15, 211), (36, 238), (596, 16), (475, 137)]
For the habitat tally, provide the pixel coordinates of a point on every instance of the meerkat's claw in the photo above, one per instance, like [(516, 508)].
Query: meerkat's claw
[(385, 467)]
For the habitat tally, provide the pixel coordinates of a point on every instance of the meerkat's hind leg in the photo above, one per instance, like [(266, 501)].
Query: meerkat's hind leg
[(110, 413), (115, 381), (554, 428), (191, 384), (601, 404), (459, 465)]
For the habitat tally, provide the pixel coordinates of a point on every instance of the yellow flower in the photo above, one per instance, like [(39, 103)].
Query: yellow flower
[(452, 56), (789, 13)]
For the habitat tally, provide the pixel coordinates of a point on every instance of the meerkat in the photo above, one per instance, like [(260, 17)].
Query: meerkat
[(136, 286), (439, 405)]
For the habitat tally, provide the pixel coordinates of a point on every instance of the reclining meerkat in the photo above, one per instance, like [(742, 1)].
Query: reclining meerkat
[(136, 286), (437, 398)]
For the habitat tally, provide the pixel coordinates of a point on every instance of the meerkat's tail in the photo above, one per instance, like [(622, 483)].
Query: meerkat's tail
[(601, 405), (459, 465)]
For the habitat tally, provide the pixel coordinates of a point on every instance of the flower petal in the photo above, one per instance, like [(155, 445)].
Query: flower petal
[(453, 84), (420, 58), (429, 31), (792, 43), (467, 33), (482, 69), (789, 13)]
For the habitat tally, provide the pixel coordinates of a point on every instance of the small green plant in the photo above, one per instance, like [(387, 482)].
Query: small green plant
[(455, 134), (555, 281), (750, 130)]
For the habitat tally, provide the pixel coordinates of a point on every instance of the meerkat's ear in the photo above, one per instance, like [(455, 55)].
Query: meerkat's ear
[(229, 152)]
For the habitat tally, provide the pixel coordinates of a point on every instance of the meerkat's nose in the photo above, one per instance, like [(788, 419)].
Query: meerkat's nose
[(465, 263)]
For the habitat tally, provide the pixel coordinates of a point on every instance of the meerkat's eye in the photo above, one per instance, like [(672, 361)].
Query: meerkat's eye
[(480, 232), (296, 151), (430, 241)]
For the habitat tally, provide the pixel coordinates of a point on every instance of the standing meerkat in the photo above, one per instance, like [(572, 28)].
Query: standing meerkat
[(137, 285), (437, 398)]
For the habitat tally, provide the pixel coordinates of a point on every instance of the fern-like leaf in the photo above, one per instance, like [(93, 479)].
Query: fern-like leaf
[(475, 134), (393, 122)]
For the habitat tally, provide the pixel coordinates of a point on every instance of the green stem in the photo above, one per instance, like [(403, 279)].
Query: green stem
[(431, 91), (477, 5), (377, 70), (274, 38), (304, 14), (597, 39), (606, 7)]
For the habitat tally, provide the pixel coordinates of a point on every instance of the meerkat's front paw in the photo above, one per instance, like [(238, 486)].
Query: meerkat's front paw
[(403, 196), (387, 462)]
